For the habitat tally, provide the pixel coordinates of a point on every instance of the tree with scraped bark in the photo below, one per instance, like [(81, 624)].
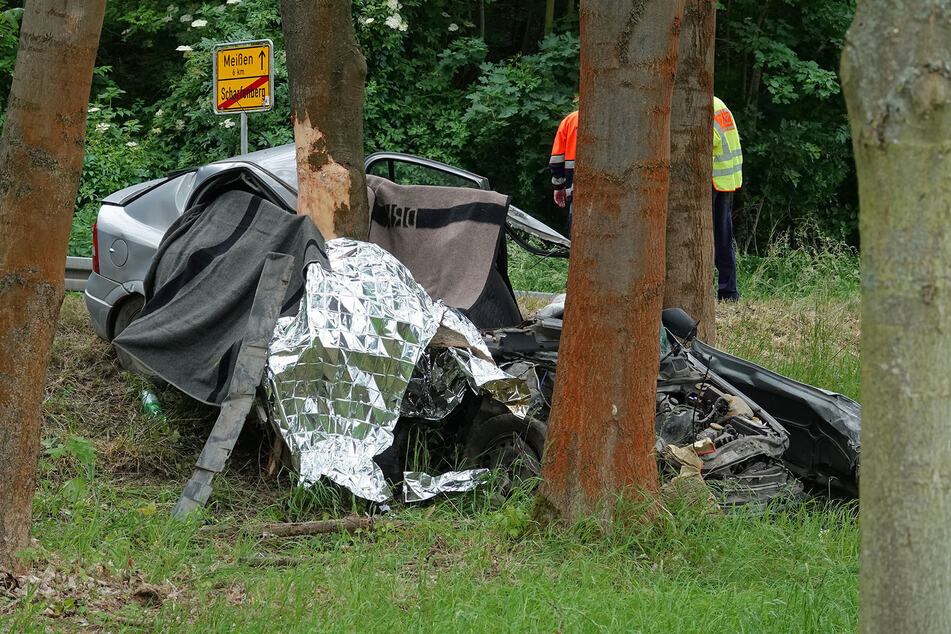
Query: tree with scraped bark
[(41, 158), (897, 86), (601, 429), (326, 74), (689, 279)]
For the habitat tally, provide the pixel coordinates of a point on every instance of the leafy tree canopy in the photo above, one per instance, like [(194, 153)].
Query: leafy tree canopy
[(476, 83)]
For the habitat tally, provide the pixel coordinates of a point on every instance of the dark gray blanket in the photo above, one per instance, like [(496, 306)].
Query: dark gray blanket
[(452, 239), (201, 285)]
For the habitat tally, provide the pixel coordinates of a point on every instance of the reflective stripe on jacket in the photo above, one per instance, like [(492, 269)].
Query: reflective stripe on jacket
[(562, 162), (727, 155)]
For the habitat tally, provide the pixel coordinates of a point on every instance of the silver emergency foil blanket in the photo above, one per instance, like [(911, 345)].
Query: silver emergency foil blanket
[(443, 375), (337, 372), (436, 388), (419, 486)]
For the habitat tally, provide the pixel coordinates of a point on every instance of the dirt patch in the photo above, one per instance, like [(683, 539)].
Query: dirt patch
[(85, 597)]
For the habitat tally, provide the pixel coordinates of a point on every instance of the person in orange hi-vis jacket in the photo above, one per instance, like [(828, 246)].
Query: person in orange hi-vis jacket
[(562, 162)]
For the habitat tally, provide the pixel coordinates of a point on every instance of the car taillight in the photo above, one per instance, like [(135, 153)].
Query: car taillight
[(95, 248)]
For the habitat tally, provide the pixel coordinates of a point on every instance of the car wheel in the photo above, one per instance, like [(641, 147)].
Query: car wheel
[(510, 446), (128, 311)]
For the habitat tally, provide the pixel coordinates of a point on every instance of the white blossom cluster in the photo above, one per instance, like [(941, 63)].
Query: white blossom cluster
[(395, 21)]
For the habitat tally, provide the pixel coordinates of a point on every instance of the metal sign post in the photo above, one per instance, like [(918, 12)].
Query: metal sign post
[(243, 80)]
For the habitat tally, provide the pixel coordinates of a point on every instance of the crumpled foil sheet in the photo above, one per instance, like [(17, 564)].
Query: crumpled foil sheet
[(338, 370), (444, 375), (419, 486), (437, 386)]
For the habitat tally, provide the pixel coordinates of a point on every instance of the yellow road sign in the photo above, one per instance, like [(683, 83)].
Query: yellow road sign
[(243, 77)]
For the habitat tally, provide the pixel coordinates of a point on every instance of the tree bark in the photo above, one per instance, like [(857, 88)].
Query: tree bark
[(41, 158), (897, 84), (689, 279), (326, 73), (601, 429)]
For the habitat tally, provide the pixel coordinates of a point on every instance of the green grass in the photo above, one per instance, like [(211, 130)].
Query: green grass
[(529, 272), (111, 557), (463, 564), (829, 270), (813, 340)]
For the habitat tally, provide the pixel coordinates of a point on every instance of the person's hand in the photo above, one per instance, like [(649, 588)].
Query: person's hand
[(560, 197)]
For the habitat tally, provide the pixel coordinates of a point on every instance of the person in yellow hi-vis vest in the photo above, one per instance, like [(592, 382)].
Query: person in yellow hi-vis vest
[(727, 178)]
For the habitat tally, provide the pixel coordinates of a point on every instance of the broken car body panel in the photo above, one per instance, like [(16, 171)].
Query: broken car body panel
[(824, 427)]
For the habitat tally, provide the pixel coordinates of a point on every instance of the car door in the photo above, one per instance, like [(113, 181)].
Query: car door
[(405, 169)]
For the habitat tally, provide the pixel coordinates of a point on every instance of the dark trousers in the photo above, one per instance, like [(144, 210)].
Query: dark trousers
[(569, 219), (723, 256)]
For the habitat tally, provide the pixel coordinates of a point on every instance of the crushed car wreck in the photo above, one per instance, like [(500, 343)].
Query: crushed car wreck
[(417, 330)]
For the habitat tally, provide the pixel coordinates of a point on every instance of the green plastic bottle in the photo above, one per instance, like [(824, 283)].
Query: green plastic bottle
[(151, 405)]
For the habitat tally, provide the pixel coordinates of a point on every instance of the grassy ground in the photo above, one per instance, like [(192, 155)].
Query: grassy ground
[(797, 315), (106, 555)]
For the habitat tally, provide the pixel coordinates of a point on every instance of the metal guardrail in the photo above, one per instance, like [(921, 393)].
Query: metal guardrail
[(77, 272), (545, 297)]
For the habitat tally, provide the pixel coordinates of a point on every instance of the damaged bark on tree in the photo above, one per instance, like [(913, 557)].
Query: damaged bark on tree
[(689, 280), (41, 158), (326, 73), (897, 85), (601, 429)]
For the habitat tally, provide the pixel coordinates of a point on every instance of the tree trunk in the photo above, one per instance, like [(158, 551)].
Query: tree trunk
[(41, 158), (689, 283), (549, 15), (898, 92), (326, 73), (601, 429)]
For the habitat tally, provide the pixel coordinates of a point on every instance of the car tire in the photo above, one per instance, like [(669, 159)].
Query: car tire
[(508, 445), (128, 311)]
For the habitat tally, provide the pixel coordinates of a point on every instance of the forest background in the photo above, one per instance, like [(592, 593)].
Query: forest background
[(475, 83)]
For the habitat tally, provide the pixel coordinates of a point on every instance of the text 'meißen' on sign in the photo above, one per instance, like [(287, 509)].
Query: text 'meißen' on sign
[(243, 77)]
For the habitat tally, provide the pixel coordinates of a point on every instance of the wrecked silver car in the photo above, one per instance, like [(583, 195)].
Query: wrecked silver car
[(409, 356)]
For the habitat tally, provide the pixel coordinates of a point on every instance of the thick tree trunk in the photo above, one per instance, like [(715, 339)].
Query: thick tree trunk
[(41, 158), (689, 283), (898, 90), (326, 73), (601, 430)]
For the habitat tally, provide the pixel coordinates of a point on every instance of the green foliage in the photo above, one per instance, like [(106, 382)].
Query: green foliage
[(76, 450), (776, 68), (119, 153), (191, 133), (515, 110), (486, 96), (9, 39)]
